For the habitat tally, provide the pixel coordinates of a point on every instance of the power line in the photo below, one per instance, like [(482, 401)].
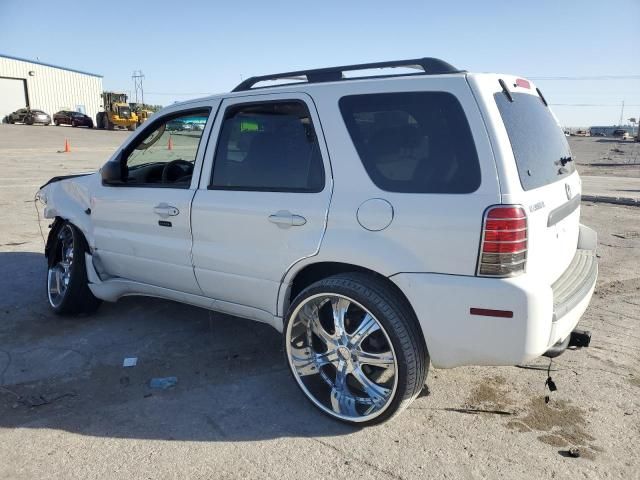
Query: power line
[(592, 77), (591, 105), (179, 93)]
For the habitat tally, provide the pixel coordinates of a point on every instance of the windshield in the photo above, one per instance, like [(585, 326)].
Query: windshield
[(125, 112), (539, 145)]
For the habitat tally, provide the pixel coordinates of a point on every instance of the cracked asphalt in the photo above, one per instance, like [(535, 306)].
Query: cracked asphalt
[(68, 409)]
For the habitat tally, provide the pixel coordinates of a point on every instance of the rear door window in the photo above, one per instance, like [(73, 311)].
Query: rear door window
[(539, 144), (413, 142), (268, 146)]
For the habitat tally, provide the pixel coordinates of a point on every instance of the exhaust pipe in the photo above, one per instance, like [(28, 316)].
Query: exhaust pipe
[(577, 339)]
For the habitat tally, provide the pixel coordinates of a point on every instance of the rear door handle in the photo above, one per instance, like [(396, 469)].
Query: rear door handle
[(165, 210), (285, 219)]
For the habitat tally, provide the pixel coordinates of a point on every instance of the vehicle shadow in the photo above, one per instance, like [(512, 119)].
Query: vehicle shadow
[(614, 140), (67, 374)]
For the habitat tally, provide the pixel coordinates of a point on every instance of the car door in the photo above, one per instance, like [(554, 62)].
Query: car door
[(142, 226), (263, 198)]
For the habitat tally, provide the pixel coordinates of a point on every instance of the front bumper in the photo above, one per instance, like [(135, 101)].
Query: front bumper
[(542, 314)]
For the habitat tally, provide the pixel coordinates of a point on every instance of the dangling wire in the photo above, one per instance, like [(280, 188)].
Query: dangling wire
[(549, 382), (35, 204)]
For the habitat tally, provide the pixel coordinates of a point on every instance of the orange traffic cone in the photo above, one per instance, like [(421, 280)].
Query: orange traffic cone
[(67, 147), (170, 143)]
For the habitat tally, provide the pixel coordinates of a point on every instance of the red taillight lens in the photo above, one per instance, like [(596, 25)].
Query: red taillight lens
[(503, 252)]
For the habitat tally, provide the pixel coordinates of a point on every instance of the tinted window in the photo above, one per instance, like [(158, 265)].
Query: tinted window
[(537, 140), (268, 146), (413, 142)]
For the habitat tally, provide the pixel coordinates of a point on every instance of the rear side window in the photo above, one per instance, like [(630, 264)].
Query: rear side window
[(270, 146), (539, 144), (413, 142)]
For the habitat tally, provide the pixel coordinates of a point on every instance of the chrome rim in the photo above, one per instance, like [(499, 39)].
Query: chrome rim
[(341, 357), (59, 275)]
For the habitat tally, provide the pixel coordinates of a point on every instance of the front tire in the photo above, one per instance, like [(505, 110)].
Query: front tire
[(354, 347), (67, 284)]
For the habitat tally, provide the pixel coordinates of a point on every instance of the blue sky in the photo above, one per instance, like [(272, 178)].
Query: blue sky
[(192, 48)]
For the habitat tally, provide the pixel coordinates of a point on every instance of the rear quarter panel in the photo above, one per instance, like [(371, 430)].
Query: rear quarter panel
[(429, 232)]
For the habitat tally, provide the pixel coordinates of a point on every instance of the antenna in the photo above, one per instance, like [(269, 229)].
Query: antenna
[(137, 78)]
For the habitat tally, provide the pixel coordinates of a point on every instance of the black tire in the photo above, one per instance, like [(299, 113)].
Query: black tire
[(398, 321), (100, 120), (28, 121), (77, 298), (74, 124), (56, 123)]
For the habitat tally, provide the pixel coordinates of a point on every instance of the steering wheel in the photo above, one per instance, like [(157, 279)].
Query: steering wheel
[(175, 169)]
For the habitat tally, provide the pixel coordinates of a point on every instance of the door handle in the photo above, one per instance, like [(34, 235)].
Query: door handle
[(285, 218), (165, 210)]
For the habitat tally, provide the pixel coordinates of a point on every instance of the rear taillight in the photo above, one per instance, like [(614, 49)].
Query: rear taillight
[(503, 250)]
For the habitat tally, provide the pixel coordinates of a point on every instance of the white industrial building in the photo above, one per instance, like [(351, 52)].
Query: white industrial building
[(41, 86)]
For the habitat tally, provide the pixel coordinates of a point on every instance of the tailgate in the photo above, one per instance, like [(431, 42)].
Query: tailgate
[(554, 225), (535, 167)]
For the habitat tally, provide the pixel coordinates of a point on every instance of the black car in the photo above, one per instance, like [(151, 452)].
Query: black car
[(75, 119), (29, 117)]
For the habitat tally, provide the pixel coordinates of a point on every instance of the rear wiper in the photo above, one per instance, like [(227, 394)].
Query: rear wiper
[(565, 160)]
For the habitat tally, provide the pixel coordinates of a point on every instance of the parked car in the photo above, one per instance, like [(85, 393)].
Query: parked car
[(598, 134), (621, 133), (75, 119), (581, 133), (29, 117), (444, 226)]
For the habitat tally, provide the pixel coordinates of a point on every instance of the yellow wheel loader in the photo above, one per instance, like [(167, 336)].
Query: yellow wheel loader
[(117, 112)]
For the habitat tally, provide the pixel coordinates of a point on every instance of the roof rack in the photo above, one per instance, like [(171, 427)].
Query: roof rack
[(430, 66)]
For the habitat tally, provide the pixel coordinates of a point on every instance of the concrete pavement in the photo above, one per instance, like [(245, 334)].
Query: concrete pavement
[(609, 189)]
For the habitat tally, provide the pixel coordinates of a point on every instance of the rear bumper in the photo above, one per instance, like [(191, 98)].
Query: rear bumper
[(542, 314)]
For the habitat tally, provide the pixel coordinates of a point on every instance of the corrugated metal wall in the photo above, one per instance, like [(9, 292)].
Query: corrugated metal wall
[(52, 89)]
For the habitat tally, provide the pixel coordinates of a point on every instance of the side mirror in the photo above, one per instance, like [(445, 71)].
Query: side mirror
[(111, 171)]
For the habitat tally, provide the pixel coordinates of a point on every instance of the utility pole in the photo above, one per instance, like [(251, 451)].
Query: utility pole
[(137, 77), (621, 114)]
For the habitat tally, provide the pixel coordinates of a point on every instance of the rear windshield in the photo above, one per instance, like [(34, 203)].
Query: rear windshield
[(413, 142), (539, 144)]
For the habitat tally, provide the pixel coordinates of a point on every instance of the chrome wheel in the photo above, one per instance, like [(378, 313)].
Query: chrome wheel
[(341, 357), (59, 274)]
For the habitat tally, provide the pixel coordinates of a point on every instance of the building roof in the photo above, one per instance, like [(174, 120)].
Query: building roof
[(49, 65)]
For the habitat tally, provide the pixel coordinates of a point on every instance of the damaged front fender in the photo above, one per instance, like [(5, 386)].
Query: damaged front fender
[(69, 198)]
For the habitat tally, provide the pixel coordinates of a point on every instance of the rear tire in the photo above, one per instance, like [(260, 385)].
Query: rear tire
[(366, 367), (67, 283)]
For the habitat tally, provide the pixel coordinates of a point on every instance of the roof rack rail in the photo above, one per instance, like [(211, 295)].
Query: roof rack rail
[(430, 66)]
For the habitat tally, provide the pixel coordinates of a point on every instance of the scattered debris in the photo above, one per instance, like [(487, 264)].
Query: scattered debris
[(130, 362), (574, 452), (629, 234), (163, 383), (39, 400), (125, 381), (147, 395)]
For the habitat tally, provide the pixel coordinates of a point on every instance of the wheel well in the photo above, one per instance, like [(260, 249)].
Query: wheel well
[(51, 238), (317, 271)]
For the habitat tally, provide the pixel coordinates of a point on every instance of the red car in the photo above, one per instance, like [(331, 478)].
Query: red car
[(75, 119)]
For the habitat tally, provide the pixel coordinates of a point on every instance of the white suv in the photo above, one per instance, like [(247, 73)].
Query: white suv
[(379, 222)]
